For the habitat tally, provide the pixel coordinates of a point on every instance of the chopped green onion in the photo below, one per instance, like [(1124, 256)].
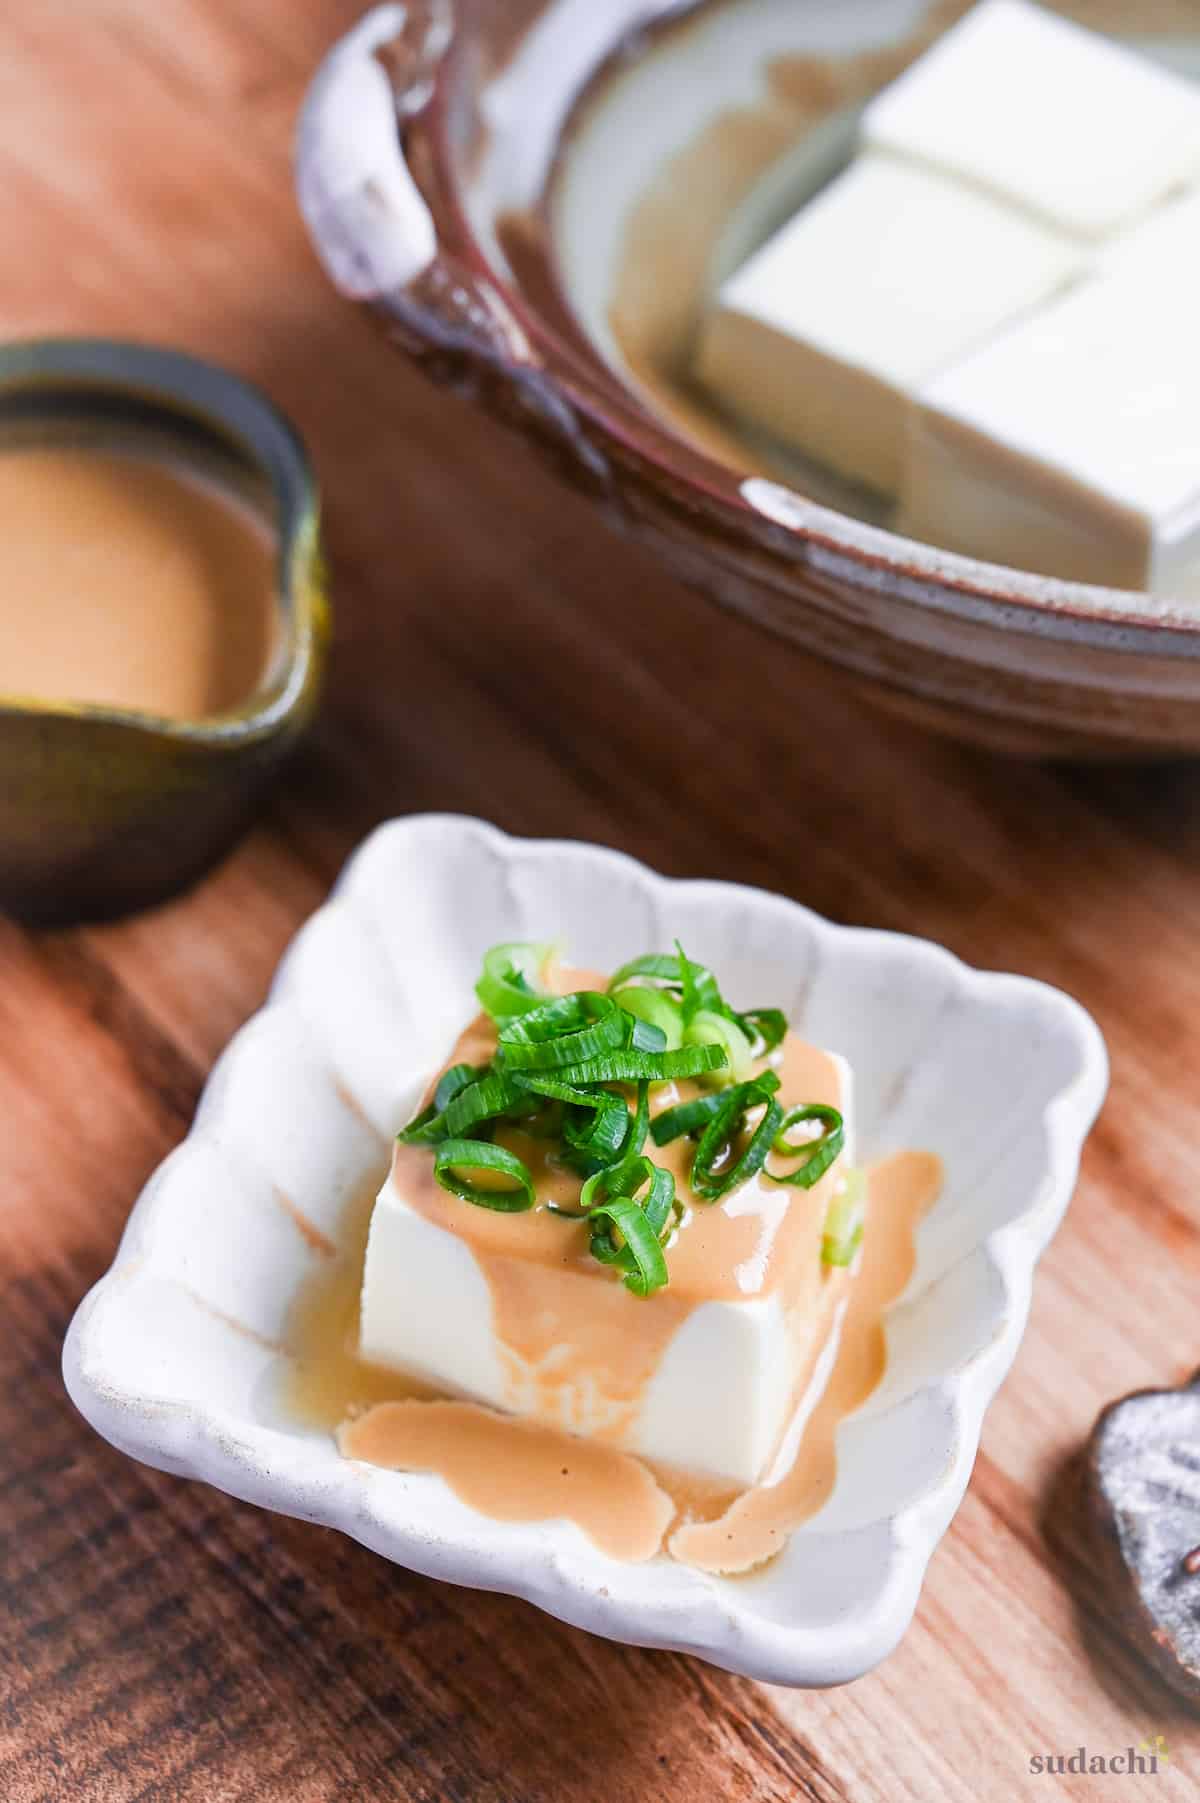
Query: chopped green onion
[(492, 1096), (765, 1028), (695, 982), (816, 1154), (654, 1007), (845, 1220), (597, 1190), (644, 1035), (556, 1071), (554, 1086), (601, 1138), (606, 1129), (455, 1155), (508, 984), (685, 1117), (424, 1128), (648, 1270), (627, 1233), (635, 1138), (659, 1203), (694, 1116), (602, 1134), (659, 973), (453, 1081), (700, 993), (429, 1126), (629, 1066), (658, 967), (709, 1185), (707, 1027), (626, 1179), (568, 1030)]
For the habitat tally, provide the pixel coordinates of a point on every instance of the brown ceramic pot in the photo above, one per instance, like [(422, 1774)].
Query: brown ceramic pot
[(472, 172)]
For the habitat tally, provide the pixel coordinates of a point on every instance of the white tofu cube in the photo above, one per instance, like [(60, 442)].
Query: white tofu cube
[(891, 274), (1071, 445), (1045, 115), (726, 1376)]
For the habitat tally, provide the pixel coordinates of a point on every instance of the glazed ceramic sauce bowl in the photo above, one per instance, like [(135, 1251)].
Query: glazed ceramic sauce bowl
[(537, 199), (123, 789)]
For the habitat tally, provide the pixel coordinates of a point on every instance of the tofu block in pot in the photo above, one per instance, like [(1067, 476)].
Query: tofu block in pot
[(511, 1311), (891, 274), (1048, 116), (1071, 444)]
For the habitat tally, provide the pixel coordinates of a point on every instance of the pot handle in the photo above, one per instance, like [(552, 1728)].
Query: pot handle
[(378, 239), (371, 226), (369, 223)]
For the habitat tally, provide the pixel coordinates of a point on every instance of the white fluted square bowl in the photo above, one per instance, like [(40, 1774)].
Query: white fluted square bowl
[(170, 1355)]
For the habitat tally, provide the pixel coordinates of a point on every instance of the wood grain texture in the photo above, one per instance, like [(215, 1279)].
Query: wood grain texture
[(497, 653)]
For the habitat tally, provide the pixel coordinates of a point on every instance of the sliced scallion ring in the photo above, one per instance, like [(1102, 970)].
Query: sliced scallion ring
[(765, 1028), (624, 1179), (568, 1030), (694, 1116), (644, 1035), (601, 1138), (815, 1154), (656, 1008), (424, 1128), (660, 971), (595, 1123), (430, 1126), (509, 983), (601, 1184), (845, 1220), (454, 1156), (693, 989), (554, 1086), (684, 1117), (453, 1081), (707, 1027), (654, 967), (485, 1100), (659, 1201), (639, 1122), (648, 1270), (709, 1185), (624, 1229), (698, 987), (629, 1066)]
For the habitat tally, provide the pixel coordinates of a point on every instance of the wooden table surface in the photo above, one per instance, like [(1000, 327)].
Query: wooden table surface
[(498, 653)]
